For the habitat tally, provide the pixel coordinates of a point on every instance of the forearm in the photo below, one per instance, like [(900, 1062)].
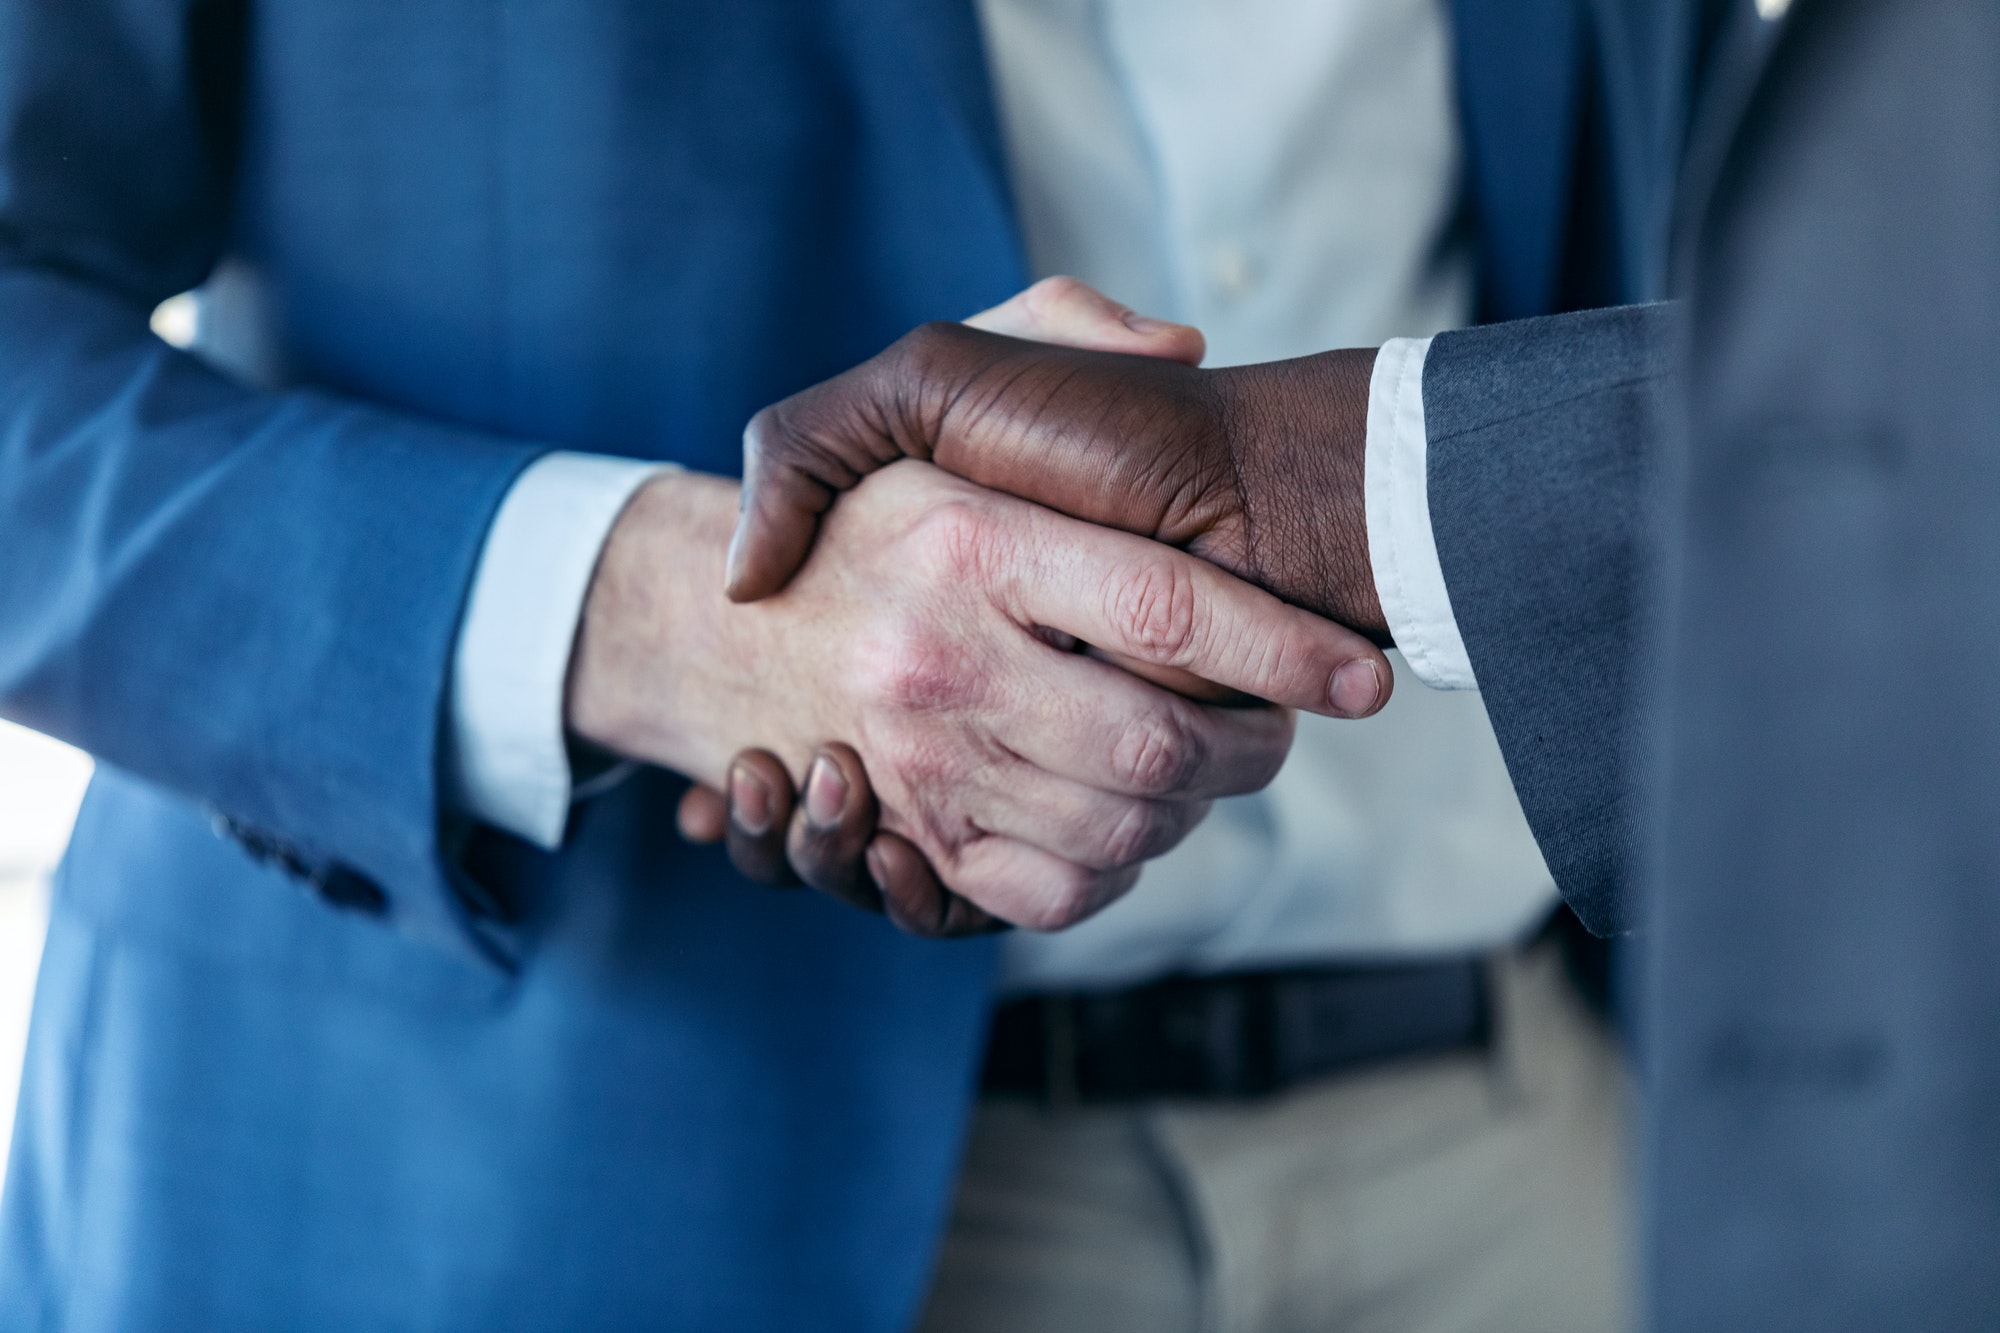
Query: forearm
[(1295, 433), (1544, 445), (247, 598), (218, 589), (1503, 539)]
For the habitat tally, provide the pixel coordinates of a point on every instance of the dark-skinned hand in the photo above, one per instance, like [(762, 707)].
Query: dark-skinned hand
[(828, 840), (775, 838), (1259, 469)]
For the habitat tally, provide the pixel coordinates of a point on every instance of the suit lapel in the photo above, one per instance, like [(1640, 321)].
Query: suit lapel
[(1518, 79)]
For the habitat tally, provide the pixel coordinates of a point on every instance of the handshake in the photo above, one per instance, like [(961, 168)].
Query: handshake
[(1076, 591)]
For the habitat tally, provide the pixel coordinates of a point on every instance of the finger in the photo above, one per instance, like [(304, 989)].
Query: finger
[(1095, 724), (1140, 599), (1075, 314), (799, 454), (1180, 682), (1095, 829), (832, 827), (1026, 886), (760, 807), (703, 816), (915, 899), (780, 507)]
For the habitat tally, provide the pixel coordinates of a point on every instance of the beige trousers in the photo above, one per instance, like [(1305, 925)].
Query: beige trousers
[(1483, 1192)]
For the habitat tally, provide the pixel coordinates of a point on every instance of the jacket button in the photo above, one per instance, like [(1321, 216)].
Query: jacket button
[(345, 889), (258, 846)]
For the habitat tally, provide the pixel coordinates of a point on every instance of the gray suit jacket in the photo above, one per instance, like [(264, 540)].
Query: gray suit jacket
[(1730, 577)]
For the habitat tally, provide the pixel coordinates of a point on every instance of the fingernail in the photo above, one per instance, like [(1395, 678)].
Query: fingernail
[(878, 868), (1146, 324), (749, 802), (732, 572), (1356, 689), (826, 793)]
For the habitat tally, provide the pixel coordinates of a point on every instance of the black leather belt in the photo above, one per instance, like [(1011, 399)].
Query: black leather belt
[(1235, 1035)]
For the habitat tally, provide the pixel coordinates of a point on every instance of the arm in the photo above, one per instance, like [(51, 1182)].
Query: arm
[(1541, 434), (934, 627), (247, 598), (1534, 494)]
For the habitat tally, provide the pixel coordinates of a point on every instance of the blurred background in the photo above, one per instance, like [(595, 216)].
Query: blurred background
[(41, 782)]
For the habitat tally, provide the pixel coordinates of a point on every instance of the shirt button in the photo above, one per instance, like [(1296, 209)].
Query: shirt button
[(1231, 272)]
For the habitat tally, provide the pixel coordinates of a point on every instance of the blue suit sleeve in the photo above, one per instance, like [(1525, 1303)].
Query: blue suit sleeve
[(247, 598), (1541, 439)]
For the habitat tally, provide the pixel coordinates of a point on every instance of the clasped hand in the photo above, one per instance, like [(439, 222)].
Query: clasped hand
[(937, 667)]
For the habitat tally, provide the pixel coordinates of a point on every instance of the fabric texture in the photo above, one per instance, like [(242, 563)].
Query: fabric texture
[(1825, 1139), (508, 765), (1541, 436), (1727, 575), (293, 1120), (1476, 1191), (1402, 551)]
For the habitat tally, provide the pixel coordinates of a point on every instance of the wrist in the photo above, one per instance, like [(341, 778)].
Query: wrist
[(1297, 435), (650, 659)]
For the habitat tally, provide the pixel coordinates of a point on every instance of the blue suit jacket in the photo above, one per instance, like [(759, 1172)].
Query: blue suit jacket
[(305, 1051)]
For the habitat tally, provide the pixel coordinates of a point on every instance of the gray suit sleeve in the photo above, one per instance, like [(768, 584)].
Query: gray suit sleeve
[(1539, 438)]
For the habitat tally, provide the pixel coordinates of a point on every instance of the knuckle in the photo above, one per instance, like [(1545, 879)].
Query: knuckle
[(808, 439), (1140, 831), (941, 835), (1045, 917), (958, 541), (927, 336), (1157, 609), (927, 778), (915, 760), (1160, 753), (1075, 894), (897, 390), (1065, 900), (917, 351), (1053, 295), (763, 437), (917, 670)]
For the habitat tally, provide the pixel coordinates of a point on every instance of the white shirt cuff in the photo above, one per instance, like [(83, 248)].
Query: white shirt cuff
[(508, 764), (1408, 578)]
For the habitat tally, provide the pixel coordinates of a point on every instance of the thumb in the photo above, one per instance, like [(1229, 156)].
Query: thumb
[(779, 510), (1074, 314)]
